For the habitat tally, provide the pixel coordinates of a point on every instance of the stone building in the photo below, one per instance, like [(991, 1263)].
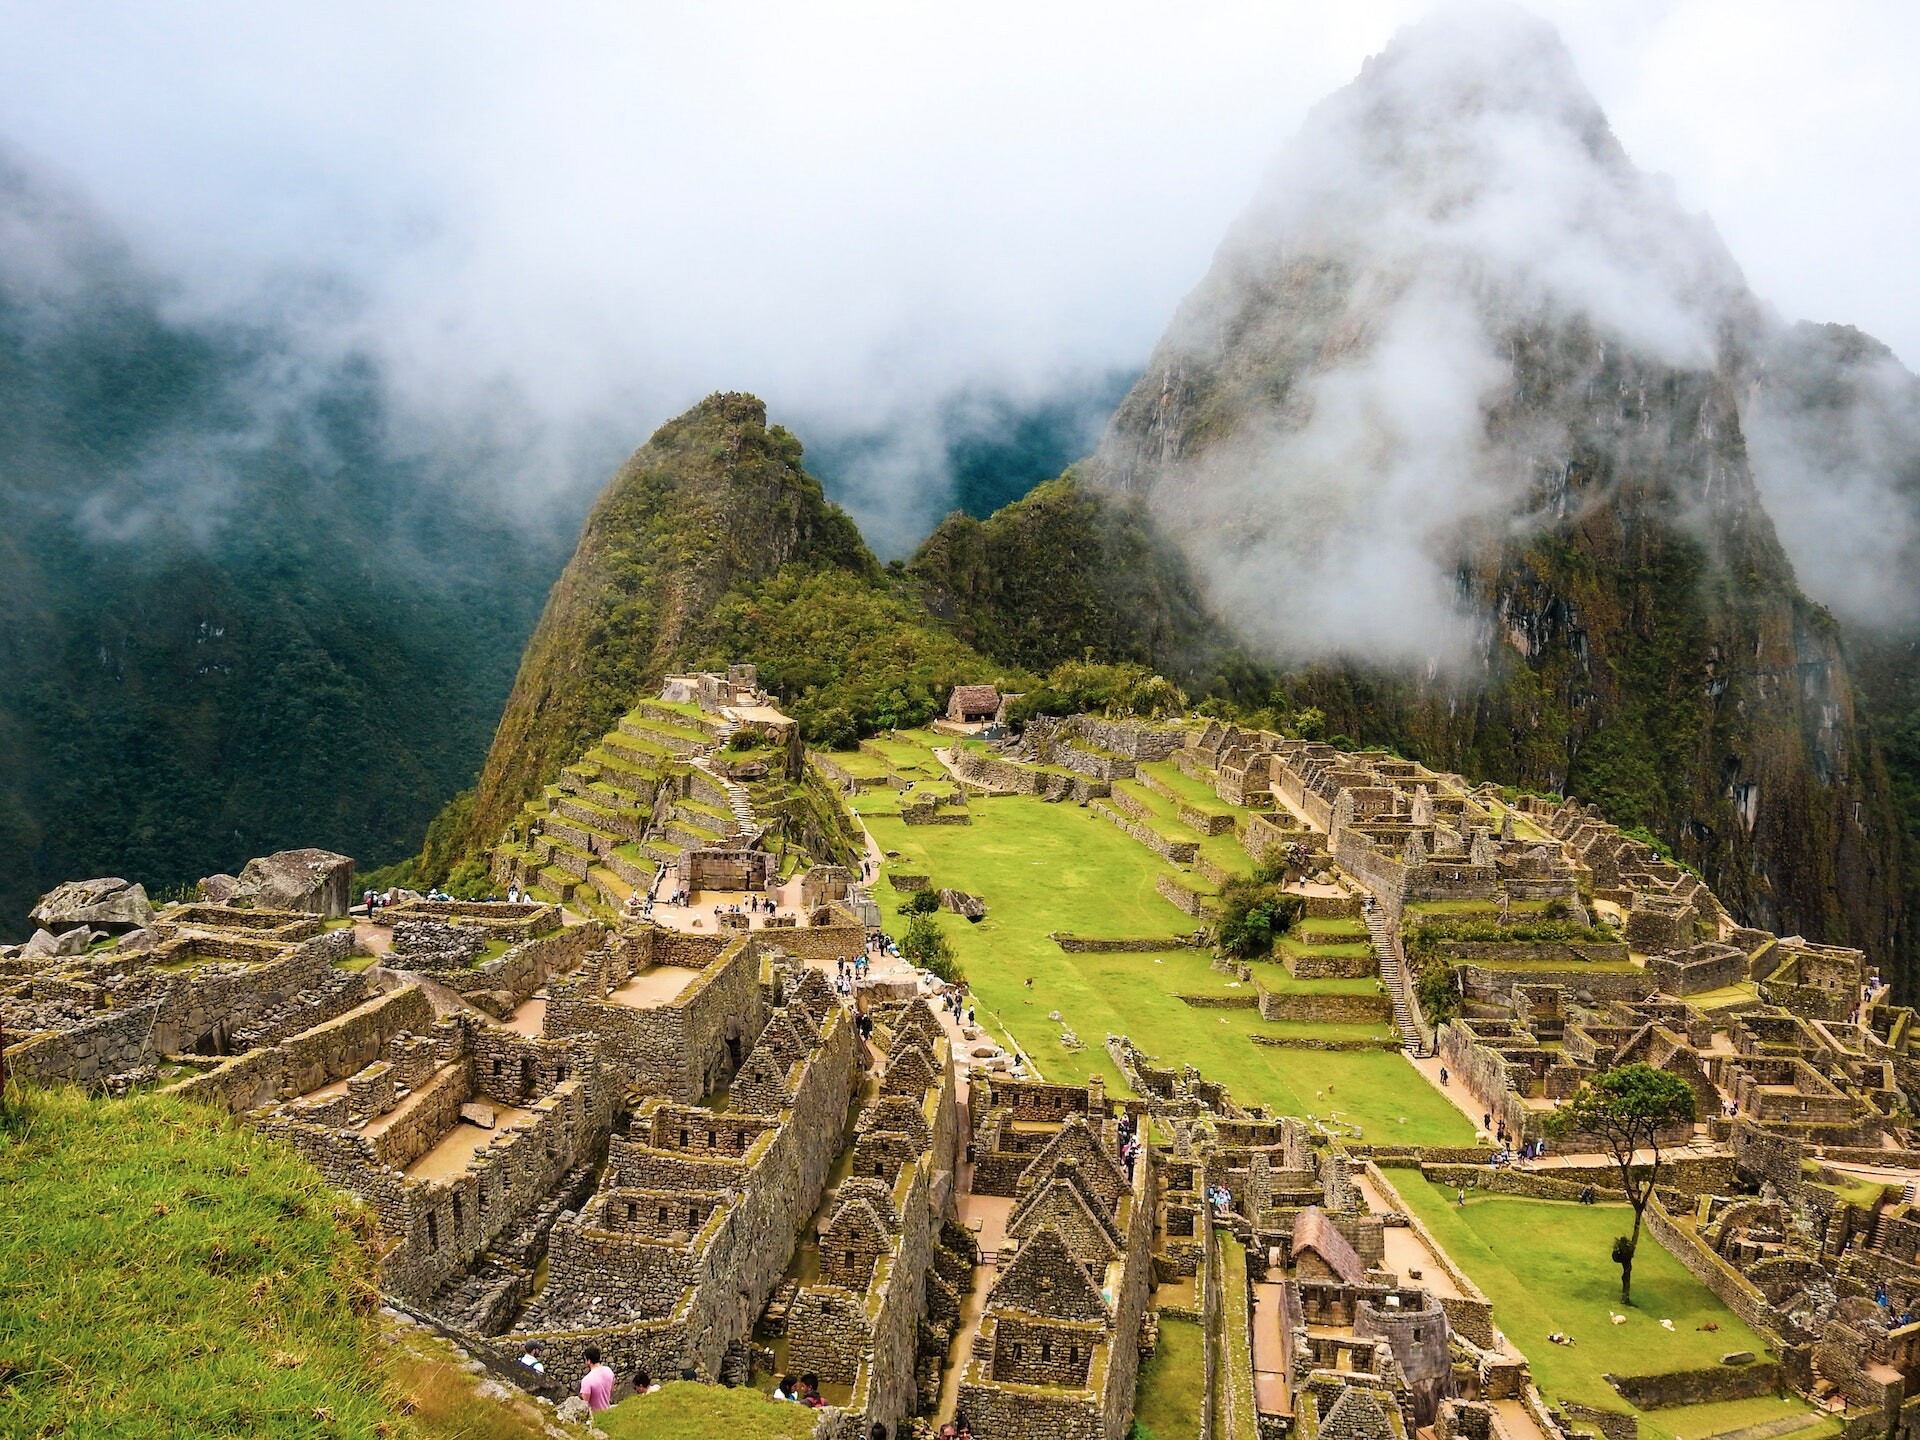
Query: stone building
[(1057, 1349)]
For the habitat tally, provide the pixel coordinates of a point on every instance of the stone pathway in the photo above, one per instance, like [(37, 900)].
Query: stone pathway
[(1270, 1387), (991, 1212)]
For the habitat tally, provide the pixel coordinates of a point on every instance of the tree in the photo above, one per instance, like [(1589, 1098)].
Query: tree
[(921, 902), (926, 947), (1625, 1109), (1438, 992)]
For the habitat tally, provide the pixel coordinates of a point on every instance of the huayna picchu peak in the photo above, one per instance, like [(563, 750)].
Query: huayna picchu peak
[(1378, 903)]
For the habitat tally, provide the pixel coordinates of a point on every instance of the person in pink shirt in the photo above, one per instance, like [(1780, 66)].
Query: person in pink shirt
[(596, 1386)]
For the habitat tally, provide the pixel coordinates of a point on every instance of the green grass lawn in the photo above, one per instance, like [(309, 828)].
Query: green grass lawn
[(1545, 1266), (1172, 1384), (1195, 792), (1044, 867), (684, 1410)]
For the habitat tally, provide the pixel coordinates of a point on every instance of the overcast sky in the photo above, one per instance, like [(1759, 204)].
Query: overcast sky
[(841, 207)]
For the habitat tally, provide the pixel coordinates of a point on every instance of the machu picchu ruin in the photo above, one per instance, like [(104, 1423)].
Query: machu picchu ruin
[(1349, 874)]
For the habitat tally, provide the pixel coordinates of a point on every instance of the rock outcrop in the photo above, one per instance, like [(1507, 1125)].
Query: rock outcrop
[(111, 905), (317, 881)]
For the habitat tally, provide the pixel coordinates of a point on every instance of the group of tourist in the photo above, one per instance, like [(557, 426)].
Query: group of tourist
[(847, 974), (957, 1003), (804, 1390), (639, 908), (956, 1429), (1220, 1198), (1129, 1128), (598, 1384)]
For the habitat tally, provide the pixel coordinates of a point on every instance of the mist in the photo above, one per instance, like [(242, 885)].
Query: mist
[(550, 233), (1359, 424)]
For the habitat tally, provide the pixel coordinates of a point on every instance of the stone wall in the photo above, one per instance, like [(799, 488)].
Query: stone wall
[(513, 977), (1735, 1291), (1706, 1386), (328, 1052), (1325, 1009), (731, 1266), (1478, 982), (678, 1049), (1180, 852), (111, 1045)]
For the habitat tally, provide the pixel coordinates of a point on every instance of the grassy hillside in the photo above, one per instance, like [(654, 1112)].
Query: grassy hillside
[(1062, 574), (164, 1272)]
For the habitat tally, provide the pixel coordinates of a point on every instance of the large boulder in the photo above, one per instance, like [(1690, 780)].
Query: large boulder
[(112, 905), (317, 881), (218, 889)]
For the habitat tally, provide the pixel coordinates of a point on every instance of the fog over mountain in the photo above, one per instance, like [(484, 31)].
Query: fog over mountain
[(568, 226), (320, 327)]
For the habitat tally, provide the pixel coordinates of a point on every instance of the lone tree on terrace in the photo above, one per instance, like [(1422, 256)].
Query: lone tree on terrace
[(1625, 1109)]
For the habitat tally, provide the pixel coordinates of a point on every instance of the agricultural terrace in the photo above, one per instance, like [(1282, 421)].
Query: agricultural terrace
[(1044, 868)]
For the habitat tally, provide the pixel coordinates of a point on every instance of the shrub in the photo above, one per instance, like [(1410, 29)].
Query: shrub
[(1438, 992), (1253, 913), (921, 902), (1424, 940)]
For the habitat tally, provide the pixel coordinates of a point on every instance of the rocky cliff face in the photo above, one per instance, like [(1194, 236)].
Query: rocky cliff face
[(1452, 430), (715, 499)]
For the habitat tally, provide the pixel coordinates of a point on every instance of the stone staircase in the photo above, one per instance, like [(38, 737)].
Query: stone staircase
[(1386, 946), (595, 835)]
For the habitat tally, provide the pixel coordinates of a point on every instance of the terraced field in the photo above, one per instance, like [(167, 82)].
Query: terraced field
[(1061, 868)]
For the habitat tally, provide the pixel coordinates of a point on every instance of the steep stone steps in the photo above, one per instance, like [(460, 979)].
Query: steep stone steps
[(1386, 946)]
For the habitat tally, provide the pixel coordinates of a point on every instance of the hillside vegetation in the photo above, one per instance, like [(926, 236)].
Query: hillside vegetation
[(164, 1273)]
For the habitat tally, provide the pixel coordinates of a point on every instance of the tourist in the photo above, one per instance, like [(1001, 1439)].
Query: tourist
[(787, 1389), (962, 1430), (1460, 1198), (810, 1391), (530, 1357), (878, 1432), (1443, 1074), (596, 1386), (643, 1383)]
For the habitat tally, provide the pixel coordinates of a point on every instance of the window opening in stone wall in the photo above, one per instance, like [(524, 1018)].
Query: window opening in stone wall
[(663, 1214), (457, 1211), (480, 1194), (433, 1233), (683, 1139), (1046, 1351), (526, 1074)]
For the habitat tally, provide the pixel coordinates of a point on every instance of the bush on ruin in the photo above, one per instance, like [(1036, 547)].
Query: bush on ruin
[(1252, 915), (1438, 992)]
